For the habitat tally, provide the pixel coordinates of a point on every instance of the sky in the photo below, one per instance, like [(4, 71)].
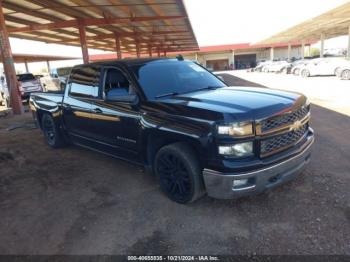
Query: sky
[(239, 21), (217, 22)]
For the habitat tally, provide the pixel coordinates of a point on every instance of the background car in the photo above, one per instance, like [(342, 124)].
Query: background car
[(57, 79), (28, 83), (297, 65), (322, 66), (261, 65), (4, 93), (278, 67)]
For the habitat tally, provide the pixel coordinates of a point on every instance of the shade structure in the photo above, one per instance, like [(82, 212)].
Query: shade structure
[(333, 23), (151, 24)]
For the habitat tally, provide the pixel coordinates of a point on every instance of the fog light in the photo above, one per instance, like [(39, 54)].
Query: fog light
[(243, 184), (240, 183)]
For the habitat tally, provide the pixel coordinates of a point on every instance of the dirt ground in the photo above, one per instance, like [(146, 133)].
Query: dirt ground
[(74, 201)]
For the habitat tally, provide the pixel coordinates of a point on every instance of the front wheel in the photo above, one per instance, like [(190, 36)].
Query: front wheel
[(52, 134), (179, 173), (305, 73), (345, 74)]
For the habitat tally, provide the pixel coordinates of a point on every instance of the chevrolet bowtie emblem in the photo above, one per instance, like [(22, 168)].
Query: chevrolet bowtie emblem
[(296, 125)]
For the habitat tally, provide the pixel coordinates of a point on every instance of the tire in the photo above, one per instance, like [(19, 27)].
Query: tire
[(305, 73), (296, 72), (52, 134), (284, 71), (345, 74), (179, 173)]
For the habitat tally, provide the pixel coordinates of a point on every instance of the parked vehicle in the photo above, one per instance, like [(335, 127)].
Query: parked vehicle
[(4, 93), (28, 84), (184, 124), (57, 78), (297, 65), (261, 66), (322, 66), (277, 67), (61, 74)]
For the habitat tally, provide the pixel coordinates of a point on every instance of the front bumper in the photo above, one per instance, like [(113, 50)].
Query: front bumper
[(220, 185)]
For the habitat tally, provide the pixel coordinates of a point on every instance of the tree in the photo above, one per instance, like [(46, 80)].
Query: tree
[(314, 51)]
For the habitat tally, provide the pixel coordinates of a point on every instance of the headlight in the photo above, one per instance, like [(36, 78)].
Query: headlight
[(237, 150), (236, 129), (307, 103)]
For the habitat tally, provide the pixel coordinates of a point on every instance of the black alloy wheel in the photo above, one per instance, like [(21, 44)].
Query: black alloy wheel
[(179, 173), (51, 132)]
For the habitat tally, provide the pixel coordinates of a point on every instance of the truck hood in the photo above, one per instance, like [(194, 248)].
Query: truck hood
[(232, 103)]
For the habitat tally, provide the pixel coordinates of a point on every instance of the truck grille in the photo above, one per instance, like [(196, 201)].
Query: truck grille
[(278, 143), (279, 121)]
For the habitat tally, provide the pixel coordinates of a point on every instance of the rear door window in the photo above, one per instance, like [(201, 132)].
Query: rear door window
[(84, 81)]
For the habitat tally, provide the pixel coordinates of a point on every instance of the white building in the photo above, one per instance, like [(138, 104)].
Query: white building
[(244, 55)]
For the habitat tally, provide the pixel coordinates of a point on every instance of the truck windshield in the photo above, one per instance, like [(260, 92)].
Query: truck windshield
[(171, 77)]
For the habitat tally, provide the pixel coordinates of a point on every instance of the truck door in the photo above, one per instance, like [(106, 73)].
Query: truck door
[(83, 86), (115, 124)]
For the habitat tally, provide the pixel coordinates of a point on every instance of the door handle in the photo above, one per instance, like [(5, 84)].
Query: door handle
[(97, 111)]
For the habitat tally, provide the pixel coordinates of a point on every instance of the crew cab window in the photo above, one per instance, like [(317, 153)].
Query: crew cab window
[(115, 81), (84, 81), (172, 76)]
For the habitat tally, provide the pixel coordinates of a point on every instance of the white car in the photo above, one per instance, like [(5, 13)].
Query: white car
[(277, 66), (297, 65), (322, 66)]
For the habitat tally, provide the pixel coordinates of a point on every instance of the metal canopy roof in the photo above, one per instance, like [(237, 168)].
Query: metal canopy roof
[(333, 23), (21, 58), (156, 24)]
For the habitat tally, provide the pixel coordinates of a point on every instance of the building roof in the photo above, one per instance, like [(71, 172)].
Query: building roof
[(207, 49), (21, 58), (162, 24), (333, 23)]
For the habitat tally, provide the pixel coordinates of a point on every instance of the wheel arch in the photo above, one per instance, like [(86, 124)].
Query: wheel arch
[(155, 140)]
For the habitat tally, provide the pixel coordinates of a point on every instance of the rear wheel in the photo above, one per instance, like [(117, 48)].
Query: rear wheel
[(296, 71), (305, 73), (52, 134), (179, 173), (345, 74)]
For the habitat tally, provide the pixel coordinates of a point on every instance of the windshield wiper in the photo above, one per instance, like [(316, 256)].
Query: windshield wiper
[(167, 94), (205, 88)]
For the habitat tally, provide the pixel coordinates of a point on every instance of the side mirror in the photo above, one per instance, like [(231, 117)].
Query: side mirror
[(121, 95)]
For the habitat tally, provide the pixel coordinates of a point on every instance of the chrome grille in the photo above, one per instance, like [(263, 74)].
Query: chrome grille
[(281, 142), (278, 121)]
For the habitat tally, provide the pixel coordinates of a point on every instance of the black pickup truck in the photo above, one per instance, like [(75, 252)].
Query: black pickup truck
[(182, 123)]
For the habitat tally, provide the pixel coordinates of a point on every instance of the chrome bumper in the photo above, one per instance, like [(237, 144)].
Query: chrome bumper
[(220, 185)]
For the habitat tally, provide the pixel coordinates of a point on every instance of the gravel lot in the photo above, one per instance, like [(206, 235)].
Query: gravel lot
[(74, 201)]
